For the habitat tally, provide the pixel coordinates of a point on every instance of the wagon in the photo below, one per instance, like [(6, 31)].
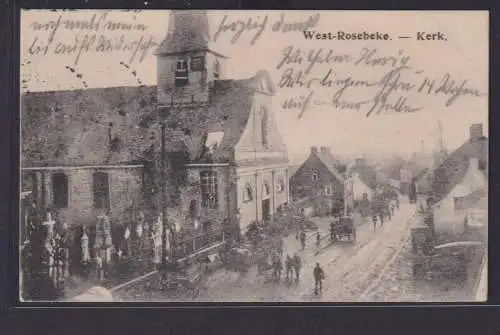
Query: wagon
[(239, 259), (344, 227)]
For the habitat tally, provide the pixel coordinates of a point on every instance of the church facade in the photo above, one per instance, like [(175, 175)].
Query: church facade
[(236, 159)]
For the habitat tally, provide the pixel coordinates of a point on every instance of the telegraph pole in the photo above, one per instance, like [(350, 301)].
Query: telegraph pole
[(163, 112)]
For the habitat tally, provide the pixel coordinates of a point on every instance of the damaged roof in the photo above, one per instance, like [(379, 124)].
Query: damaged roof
[(121, 124)]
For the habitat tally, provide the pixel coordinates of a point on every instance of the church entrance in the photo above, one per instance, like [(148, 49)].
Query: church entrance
[(266, 210)]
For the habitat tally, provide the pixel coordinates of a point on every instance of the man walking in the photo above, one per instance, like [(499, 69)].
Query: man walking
[(319, 275)]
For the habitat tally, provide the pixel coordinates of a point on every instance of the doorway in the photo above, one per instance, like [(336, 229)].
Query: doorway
[(266, 210)]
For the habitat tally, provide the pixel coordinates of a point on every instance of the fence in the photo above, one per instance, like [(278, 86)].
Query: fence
[(191, 244)]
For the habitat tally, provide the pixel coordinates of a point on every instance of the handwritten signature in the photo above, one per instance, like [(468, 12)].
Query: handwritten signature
[(257, 25)]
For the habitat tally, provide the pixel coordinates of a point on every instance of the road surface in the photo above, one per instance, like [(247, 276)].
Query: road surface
[(350, 268)]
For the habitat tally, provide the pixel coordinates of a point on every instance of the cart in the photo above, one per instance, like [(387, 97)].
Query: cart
[(239, 259), (344, 227), (266, 267)]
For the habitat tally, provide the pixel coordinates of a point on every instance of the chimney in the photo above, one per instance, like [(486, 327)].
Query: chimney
[(314, 150), (476, 131), (358, 161), (323, 150)]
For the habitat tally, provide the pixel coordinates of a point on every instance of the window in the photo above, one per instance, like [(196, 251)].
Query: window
[(181, 73), (60, 190), (315, 175), (216, 70), (266, 191), (247, 193), (193, 209), (328, 190), (101, 190), (209, 189), (264, 126), (281, 185), (197, 64)]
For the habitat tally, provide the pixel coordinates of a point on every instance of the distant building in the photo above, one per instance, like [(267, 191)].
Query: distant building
[(319, 180), (405, 179), (460, 179), (360, 183)]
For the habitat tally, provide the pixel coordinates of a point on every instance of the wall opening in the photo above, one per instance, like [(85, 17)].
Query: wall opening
[(60, 190)]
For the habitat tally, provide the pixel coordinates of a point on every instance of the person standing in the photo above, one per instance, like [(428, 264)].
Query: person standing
[(289, 266), (318, 239), (319, 276), (374, 220), (297, 262), (303, 239)]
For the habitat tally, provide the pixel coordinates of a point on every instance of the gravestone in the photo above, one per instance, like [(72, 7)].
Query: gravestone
[(157, 240), (104, 242), (49, 244)]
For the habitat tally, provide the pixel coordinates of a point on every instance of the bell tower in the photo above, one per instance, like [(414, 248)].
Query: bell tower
[(187, 66)]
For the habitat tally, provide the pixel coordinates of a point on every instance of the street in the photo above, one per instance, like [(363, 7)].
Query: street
[(350, 268)]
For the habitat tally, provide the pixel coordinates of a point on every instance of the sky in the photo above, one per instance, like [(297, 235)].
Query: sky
[(463, 56)]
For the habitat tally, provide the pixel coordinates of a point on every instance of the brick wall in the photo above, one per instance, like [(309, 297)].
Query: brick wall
[(195, 89), (302, 184), (125, 185)]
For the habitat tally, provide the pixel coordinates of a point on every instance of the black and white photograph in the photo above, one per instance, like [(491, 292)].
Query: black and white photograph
[(246, 156)]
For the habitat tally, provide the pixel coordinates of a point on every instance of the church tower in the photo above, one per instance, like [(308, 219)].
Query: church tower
[(187, 66)]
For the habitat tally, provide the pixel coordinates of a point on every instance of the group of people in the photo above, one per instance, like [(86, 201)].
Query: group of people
[(387, 212), (293, 265)]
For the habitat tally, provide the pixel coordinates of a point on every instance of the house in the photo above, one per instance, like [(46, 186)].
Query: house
[(94, 151), (457, 182), (319, 180), (405, 179), (423, 181)]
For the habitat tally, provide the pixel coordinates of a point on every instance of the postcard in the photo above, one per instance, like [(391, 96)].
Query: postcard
[(253, 156)]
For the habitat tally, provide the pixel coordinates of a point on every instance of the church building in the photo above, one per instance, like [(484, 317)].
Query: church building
[(97, 151)]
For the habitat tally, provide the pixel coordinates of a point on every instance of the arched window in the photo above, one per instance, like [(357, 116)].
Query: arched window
[(264, 128), (281, 185), (266, 191), (193, 209), (181, 72), (217, 69), (60, 190), (247, 193), (315, 175)]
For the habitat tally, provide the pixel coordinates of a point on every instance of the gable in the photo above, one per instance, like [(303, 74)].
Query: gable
[(452, 171), (314, 163)]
